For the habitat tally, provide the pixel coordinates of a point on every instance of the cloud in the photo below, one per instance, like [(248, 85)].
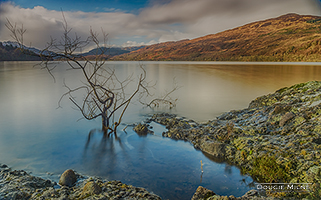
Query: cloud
[(112, 10), (41, 24), (211, 16), (135, 43), (161, 21), (190, 11)]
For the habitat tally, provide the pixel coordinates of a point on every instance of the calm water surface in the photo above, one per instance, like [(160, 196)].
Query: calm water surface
[(39, 138)]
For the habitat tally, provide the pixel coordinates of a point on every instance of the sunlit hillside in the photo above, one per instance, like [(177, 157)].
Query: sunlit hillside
[(289, 37)]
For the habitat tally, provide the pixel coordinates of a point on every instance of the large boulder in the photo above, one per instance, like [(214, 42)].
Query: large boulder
[(68, 178)]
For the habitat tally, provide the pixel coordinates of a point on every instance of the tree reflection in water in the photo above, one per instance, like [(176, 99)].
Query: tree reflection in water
[(102, 151), (112, 156)]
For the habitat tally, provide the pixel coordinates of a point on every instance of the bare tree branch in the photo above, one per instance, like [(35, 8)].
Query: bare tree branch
[(16, 33)]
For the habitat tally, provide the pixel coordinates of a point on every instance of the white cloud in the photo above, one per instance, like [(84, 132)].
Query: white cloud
[(112, 10), (173, 20), (134, 43)]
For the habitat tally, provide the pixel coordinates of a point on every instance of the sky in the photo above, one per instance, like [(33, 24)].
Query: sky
[(140, 22)]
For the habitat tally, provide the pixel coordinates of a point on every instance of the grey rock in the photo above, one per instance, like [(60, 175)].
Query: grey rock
[(216, 149), (251, 193), (91, 188), (68, 178), (288, 116), (3, 166)]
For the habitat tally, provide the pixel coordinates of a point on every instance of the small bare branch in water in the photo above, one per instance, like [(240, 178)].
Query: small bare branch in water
[(165, 100)]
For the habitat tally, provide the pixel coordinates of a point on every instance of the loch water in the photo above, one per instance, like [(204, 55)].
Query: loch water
[(41, 139)]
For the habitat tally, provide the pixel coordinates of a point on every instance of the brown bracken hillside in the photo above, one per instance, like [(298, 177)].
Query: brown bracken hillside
[(289, 37)]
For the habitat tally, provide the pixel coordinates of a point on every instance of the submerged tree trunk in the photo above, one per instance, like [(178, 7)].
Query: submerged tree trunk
[(105, 123)]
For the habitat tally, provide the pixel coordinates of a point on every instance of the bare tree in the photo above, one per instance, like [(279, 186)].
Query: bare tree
[(105, 95)]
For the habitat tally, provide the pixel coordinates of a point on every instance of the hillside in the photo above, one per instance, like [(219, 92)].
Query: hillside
[(12, 53), (289, 37)]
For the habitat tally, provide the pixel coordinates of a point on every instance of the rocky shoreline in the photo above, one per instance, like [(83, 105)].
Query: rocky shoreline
[(18, 184), (277, 139)]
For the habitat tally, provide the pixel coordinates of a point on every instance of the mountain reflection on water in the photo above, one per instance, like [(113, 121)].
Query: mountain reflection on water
[(37, 137)]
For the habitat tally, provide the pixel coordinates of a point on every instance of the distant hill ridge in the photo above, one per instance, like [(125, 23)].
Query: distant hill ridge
[(9, 51), (290, 37)]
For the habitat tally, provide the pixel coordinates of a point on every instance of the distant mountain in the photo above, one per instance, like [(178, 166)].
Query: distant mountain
[(289, 37), (105, 51), (16, 44), (9, 51), (111, 51)]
